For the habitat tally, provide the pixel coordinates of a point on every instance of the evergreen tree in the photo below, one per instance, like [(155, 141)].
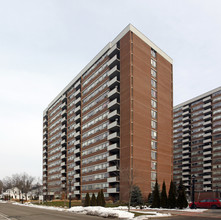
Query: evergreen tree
[(136, 196), (150, 198), (87, 200), (181, 200), (103, 203), (172, 196), (99, 199), (93, 200), (156, 196), (163, 197)]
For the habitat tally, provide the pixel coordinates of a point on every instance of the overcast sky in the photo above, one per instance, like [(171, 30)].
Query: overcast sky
[(44, 44)]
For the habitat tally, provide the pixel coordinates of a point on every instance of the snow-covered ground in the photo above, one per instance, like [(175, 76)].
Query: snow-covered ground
[(116, 212)]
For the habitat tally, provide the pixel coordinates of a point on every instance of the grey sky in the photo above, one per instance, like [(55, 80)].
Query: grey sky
[(45, 43)]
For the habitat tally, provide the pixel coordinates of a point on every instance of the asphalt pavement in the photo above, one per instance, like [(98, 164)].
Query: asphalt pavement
[(13, 212)]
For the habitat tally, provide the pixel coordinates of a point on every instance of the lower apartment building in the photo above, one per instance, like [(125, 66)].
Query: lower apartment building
[(111, 126), (197, 144)]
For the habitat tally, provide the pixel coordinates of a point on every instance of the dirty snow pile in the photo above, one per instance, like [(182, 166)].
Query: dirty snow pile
[(101, 211)]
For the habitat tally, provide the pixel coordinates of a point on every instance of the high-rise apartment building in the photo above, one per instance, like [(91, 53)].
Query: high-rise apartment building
[(111, 126), (197, 143)]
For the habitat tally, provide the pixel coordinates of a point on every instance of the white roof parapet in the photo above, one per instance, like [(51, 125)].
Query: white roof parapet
[(198, 97), (128, 28)]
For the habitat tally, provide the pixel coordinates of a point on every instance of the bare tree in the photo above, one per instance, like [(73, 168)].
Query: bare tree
[(22, 181)]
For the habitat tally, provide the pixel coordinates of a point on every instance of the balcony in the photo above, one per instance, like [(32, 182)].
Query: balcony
[(186, 151), (206, 117), (207, 111), (64, 97), (206, 147), (186, 146), (112, 190), (113, 179), (114, 104), (113, 157), (207, 165), (76, 176), (113, 83), (207, 153), (113, 147), (63, 156), (186, 118), (207, 140), (207, 105), (185, 162), (207, 177), (44, 139), (113, 72), (207, 170), (77, 93), (77, 126), (77, 184), (63, 164), (207, 123), (63, 171), (113, 61), (77, 151), (186, 167), (112, 169), (77, 84), (113, 137), (113, 50), (207, 159), (186, 113), (76, 159), (207, 134), (44, 158), (63, 105), (186, 157), (185, 107), (63, 178), (207, 188), (113, 115), (77, 110), (77, 167), (63, 135), (186, 129), (64, 112), (44, 151), (186, 124), (207, 128), (207, 183), (63, 142), (114, 93), (186, 135), (114, 126), (77, 142), (44, 145), (185, 178), (77, 101), (77, 118), (77, 134), (63, 149), (44, 127), (63, 186), (76, 192), (63, 127), (185, 140), (63, 120), (186, 173), (207, 99)]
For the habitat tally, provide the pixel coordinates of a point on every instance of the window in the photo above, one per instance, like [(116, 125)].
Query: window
[(153, 114), (153, 53), (153, 176), (153, 83), (153, 165), (153, 124), (153, 103), (153, 73), (154, 134), (153, 144), (153, 63), (153, 93)]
